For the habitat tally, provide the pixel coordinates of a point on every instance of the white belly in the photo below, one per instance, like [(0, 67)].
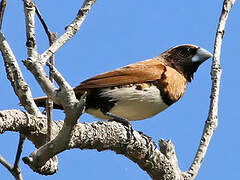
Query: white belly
[(132, 104)]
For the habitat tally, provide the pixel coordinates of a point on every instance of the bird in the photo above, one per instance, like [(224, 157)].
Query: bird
[(140, 90)]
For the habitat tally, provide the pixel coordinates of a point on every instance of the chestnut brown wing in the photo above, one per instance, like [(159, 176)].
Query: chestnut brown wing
[(144, 71)]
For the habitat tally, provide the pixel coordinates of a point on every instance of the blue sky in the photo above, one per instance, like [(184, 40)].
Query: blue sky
[(117, 33)]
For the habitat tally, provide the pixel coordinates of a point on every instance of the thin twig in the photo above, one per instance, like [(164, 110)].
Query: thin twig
[(2, 9), (6, 164), (51, 36), (49, 103), (49, 110), (71, 30), (19, 152), (17, 174), (59, 78), (212, 120)]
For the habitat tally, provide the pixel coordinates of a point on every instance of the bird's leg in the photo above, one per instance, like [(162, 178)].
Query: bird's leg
[(121, 120), (116, 118)]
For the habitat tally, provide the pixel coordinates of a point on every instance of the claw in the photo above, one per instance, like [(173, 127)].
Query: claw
[(123, 121)]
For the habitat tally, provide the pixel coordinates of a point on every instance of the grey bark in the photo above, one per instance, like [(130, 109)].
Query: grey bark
[(158, 163)]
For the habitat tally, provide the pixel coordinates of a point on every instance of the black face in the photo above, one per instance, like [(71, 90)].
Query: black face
[(180, 58), (185, 52)]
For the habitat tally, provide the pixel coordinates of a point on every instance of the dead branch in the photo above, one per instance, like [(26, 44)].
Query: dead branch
[(71, 30), (2, 10), (15, 172), (49, 103), (66, 97), (97, 135), (212, 120), (15, 76), (158, 163), (29, 11), (19, 152)]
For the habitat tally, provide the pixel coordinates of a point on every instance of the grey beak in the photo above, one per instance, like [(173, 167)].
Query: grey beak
[(201, 55)]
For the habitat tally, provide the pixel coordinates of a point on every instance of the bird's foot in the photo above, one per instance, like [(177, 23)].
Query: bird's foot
[(123, 121)]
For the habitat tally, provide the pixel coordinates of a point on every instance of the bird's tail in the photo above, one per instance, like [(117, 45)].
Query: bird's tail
[(41, 102)]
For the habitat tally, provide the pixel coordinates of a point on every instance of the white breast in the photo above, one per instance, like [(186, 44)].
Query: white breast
[(132, 104)]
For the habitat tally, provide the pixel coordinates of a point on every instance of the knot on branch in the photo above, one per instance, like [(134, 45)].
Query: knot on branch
[(167, 148), (216, 71), (31, 42), (33, 63), (29, 4)]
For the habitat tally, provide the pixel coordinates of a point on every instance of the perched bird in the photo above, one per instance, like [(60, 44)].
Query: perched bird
[(143, 89)]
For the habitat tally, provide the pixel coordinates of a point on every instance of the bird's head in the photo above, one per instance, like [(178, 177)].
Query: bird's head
[(186, 58)]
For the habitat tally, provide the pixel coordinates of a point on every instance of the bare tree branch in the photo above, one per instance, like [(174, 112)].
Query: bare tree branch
[(19, 152), (100, 136), (2, 10), (49, 103), (66, 97), (6, 164), (15, 172), (72, 108), (51, 36), (29, 10), (39, 157), (22, 91), (15, 76), (212, 120), (35, 65), (158, 163), (37, 69), (71, 30)]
